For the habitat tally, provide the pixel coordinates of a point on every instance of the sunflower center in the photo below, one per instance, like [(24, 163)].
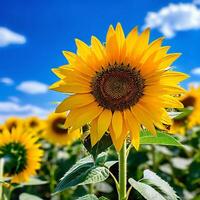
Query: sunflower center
[(189, 101), (33, 124), (117, 87), (58, 126), (15, 158), (12, 125)]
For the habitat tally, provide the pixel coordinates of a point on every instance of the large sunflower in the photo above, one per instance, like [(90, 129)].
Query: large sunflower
[(56, 133), (119, 86), (21, 153)]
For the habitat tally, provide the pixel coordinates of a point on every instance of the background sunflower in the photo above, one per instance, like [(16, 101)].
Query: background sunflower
[(21, 154), (56, 133)]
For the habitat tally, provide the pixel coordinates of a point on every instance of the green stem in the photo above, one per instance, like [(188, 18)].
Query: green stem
[(1, 177), (153, 150), (91, 188), (122, 172)]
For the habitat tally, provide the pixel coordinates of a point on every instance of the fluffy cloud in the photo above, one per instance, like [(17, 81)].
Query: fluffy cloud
[(196, 71), (6, 81), (32, 87), (174, 17), (8, 37), (8, 109), (195, 84)]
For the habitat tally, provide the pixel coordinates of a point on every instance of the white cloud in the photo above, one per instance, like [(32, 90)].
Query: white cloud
[(195, 84), (196, 71), (8, 37), (32, 87), (174, 17), (8, 109), (6, 81)]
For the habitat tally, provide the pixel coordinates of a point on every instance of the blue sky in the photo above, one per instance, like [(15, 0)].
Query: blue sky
[(34, 33)]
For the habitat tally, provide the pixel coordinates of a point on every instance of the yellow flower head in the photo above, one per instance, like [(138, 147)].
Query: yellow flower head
[(56, 133), (1, 128), (21, 153), (192, 99), (178, 127), (34, 123), (119, 86), (13, 122)]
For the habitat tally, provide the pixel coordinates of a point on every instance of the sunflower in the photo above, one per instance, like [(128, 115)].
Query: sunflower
[(178, 127), (21, 153), (1, 128), (192, 99), (56, 133), (34, 123), (120, 86), (13, 122)]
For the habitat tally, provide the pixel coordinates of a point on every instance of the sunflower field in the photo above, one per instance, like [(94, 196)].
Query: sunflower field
[(123, 125)]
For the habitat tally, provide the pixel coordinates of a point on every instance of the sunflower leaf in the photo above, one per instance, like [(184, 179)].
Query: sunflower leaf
[(76, 174), (159, 184), (145, 190), (83, 172), (185, 112), (162, 138), (26, 196)]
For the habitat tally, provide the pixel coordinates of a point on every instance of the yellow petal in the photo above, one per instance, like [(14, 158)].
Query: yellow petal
[(93, 132), (75, 101), (83, 115), (134, 128), (143, 119), (117, 121), (154, 46), (112, 49), (118, 142), (104, 121), (70, 56), (168, 60), (70, 88), (171, 102), (131, 41), (110, 33), (141, 44), (99, 51), (120, 35)]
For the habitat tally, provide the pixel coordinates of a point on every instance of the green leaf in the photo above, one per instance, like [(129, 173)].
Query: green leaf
[(161, 138), (88, 197), (146, 191), (101, 146), (76, 174), (96, 175), (185, 112), (101, 159), (33, 181), (26, 196), (155, 181)]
